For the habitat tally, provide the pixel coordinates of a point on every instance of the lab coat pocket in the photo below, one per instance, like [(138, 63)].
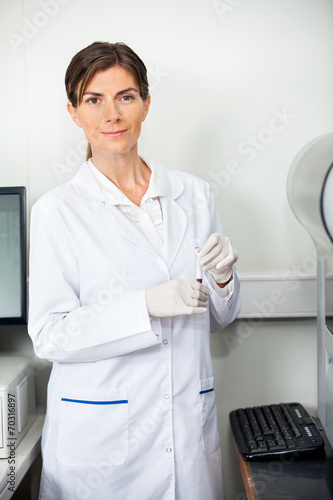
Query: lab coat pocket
[(93, 428), (210, 435)]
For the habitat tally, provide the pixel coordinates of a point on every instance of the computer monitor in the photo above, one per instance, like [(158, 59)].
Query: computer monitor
[(13, 277), (310, 195)]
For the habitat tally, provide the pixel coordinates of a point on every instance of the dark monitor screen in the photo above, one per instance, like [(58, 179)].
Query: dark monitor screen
[(13, 294), (329, 303), (327, 264)]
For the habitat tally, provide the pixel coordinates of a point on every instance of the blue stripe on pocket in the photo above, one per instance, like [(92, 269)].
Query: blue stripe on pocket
[(207, 390), (82, 401)]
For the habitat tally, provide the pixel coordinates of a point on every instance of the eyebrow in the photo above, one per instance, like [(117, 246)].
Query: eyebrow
[(98, 94)]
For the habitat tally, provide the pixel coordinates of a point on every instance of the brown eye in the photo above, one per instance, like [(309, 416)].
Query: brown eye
[(93, 100), (127, 97)]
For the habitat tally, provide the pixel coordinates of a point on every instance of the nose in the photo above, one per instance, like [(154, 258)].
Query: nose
[(111, 111)]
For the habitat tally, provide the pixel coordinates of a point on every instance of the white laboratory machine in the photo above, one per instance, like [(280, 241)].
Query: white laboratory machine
[(310, 195), (17, 401)]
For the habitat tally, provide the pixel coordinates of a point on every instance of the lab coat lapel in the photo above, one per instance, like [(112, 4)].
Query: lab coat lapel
[(127, 230), (86, 183), (175, 223), (174, 217)]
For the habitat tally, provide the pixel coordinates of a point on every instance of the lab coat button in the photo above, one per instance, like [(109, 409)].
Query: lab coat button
[(169, 450), (165, 342), (166, 396)]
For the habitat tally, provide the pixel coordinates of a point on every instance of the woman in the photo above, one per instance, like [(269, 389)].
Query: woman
[(115, 305)]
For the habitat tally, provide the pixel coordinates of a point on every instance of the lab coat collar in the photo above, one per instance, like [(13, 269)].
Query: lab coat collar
[(86, 183), (175, 220), (114, 196)]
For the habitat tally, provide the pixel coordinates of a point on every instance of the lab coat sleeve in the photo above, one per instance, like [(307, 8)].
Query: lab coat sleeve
[(60, 327), (224, 304), (223, 309)]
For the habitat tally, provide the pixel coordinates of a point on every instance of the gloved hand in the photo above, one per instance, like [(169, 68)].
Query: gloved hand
[(176, 297), (217, 257)]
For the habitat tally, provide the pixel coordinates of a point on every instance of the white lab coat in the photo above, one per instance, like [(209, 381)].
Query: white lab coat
[(131, 410)]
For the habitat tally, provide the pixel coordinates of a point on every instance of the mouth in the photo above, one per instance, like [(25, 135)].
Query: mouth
[(114, 133)]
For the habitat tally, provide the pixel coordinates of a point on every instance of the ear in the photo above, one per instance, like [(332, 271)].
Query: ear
[(74, 114), (146, 105)]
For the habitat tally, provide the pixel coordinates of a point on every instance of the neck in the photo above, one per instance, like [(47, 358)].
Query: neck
[(127, 171)]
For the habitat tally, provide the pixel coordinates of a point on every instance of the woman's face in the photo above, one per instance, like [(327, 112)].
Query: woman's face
[(111, 112)]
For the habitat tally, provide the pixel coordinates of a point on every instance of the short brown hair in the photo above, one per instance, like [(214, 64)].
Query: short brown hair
[(100, 56)]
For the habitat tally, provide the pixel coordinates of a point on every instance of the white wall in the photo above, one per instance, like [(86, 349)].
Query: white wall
[(238, 87)]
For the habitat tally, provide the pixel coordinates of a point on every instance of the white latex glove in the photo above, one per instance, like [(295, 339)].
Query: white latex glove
[(217, 257), (176, 297)]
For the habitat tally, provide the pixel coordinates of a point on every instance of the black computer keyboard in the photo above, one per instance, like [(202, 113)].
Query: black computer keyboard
[(277, 429)]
